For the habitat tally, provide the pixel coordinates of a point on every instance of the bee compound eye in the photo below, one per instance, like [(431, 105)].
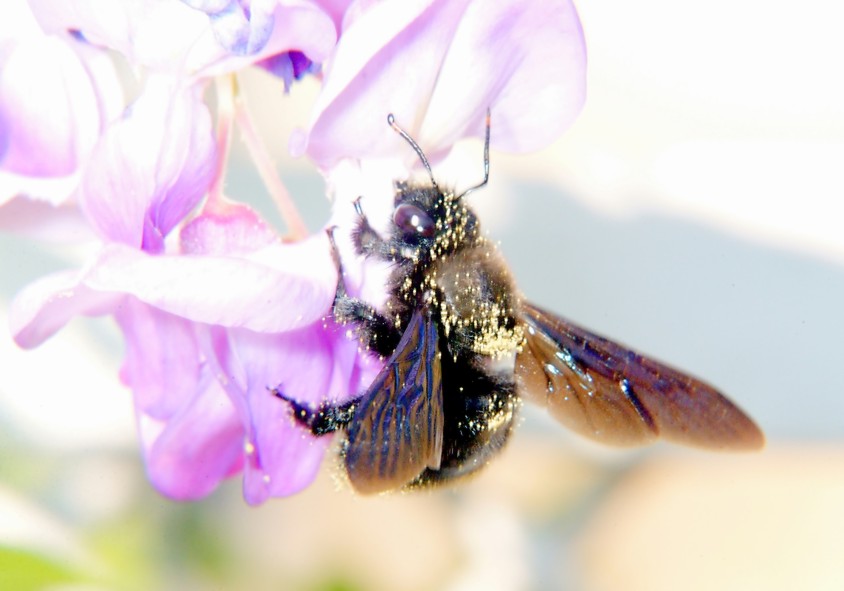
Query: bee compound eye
[(413, 221)]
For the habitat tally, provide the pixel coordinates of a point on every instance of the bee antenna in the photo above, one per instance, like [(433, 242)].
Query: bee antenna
[(391, 120), (486, 161)]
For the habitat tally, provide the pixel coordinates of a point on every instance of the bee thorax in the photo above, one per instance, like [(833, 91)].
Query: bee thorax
[(477, 303)]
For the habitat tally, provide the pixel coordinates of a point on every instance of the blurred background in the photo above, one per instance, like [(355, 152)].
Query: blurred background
[(694, 212)]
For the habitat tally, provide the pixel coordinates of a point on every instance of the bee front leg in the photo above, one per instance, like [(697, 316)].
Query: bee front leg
[(375, 331), (368, 242), (323, 419)]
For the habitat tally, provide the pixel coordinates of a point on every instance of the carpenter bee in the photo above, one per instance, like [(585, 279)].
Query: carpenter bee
[(463, 349)]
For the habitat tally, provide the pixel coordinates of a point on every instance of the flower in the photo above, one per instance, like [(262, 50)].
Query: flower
[(49, 122), (200, 378), (438, 67), (214, 306), (176, 278)]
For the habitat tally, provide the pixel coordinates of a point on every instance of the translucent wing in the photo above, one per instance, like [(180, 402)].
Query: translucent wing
[(397, 428), (606, 392)]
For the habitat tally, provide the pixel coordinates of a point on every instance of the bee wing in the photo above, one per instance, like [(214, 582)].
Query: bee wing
[(604, 391), (397, 429)]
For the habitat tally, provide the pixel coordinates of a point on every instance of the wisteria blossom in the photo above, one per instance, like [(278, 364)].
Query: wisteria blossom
[(214, 306)]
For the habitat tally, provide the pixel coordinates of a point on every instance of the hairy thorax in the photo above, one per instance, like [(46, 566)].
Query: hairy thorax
[(461, 278), (473, 296)]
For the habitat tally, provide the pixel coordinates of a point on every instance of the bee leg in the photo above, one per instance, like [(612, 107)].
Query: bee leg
[(375, 331), (367, 241), (323, 419)]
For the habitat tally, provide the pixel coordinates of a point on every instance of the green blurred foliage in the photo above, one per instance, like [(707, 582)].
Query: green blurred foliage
[(23, 570)]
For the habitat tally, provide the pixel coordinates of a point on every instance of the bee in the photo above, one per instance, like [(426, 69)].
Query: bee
[(463, 349)]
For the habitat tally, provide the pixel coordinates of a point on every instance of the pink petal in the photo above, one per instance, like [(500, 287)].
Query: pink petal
[(173, 37), (534, 84), (336, 9), (277, 288), (240, 29), (301, 27), (162, 358), (188, 455), (523, 60), (370, 75), (187, 161), (310, 364), (40, 132), (239, 229), (56, 96), (191, 434), (152, 167), (280, 287), (45, 306), (150, 33)]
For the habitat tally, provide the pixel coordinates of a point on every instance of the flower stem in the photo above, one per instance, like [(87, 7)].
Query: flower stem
[(226, 88), (266, 168)]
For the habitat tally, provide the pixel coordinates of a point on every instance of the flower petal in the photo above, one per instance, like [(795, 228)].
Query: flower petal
[(191, 434), (337, 10), (289, 66), (45, 306), (276, 288), (152, 33), (310, 364), (241, 30), (56, 96), (280, 287), (370, 75), (152, 167), (173, 37), (296, 26), (190, 454), (162, 360), (523, 60), (236, 230), (534, 83), (49, 117), (187, 160)]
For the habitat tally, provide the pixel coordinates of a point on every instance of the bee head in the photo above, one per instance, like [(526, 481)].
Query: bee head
[(426, 216)]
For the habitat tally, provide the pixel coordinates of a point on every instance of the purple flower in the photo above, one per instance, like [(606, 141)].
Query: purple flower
[(192, 289), (438, 66), (207, 332), (242, 27), (200, 375), (169, 36), (57, 95), (214, 307), (290, 66), (150, 168)]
